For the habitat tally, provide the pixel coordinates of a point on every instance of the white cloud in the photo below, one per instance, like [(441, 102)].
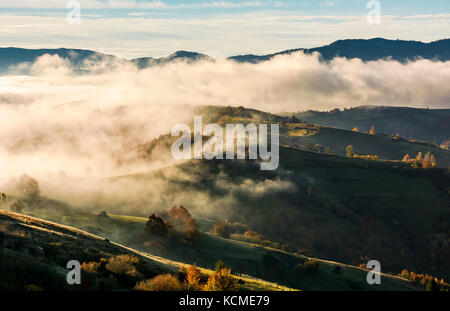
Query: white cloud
[(88, 4), (428, 16), (56, 119)]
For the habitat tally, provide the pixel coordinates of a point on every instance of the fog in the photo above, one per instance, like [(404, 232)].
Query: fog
[(55, 121)]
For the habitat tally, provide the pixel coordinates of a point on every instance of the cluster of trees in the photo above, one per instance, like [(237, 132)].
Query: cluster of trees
[(225, 228), (241, 232), (113, 273), (122, 272), (179, 221), (420, 161), (430, 283), (192, 279), (367, 156), (26, 191)]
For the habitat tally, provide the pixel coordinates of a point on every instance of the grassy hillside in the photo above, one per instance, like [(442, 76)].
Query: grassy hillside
[(316, 204), (432, 125), (310, 137), (35, 252), (334, 207), (243, 258)]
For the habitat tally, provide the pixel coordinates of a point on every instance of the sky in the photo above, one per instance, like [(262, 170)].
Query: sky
[(219, 28)]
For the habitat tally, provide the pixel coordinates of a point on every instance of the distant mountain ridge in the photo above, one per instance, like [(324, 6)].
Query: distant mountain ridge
[(366, 50)]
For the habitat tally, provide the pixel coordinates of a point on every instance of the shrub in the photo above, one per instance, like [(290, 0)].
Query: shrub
[(222, 281), (122, 265), (162, 282), (90, 267)]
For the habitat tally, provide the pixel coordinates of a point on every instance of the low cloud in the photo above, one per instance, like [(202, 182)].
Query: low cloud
[(55, 119)]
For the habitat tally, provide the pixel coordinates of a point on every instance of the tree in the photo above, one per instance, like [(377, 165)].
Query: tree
[(184, 222), (17, 206), (220, 265), (406, 158), (427, 161), (419, 157), (433, 161), (193, 277), (349, 151), (156, 225), (222, 281), (372, 130), (222, 228), (30, 188)]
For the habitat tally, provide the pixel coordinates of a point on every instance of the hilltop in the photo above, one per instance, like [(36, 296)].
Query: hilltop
[(432, 125), (366, 50)]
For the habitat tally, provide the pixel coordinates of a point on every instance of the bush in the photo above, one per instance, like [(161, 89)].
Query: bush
[(222, 281), (90, 267), (162, 282), (122, 265), (193, 278)]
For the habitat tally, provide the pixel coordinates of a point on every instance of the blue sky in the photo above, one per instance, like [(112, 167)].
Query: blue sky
[(220, 28)]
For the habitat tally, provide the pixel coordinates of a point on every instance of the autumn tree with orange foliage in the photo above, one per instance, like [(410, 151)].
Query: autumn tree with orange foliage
[(193, 275), (222, 281), (183, 221)]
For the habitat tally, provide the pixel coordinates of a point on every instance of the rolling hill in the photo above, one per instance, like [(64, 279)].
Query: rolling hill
[(316, 204), (367, 50), (243, 258), (35, 252), (326, 206), (432, 125), (317, 136)]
